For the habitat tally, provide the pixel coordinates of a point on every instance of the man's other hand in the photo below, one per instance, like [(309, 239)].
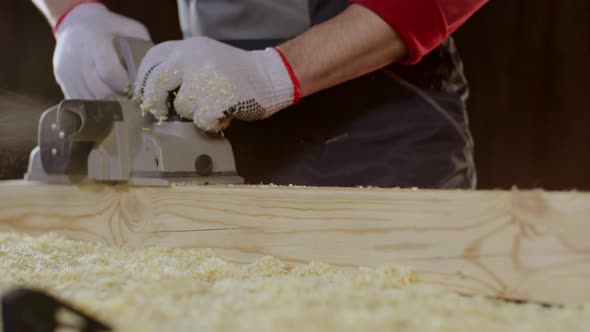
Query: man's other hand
[(85, 62), (217, 82)]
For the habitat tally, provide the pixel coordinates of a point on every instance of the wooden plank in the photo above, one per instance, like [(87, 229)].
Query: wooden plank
[(530, 245)]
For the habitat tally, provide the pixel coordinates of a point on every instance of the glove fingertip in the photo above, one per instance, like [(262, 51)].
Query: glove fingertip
[(212, 125), (111, 71), (156, 85), (160, 115)]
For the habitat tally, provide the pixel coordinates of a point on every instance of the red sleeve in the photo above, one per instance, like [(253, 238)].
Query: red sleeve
[(422, 24)]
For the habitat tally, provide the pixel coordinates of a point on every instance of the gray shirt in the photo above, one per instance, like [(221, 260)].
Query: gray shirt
[(250, 20)]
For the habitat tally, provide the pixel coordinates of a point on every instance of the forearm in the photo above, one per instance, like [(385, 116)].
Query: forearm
[(349, 45), (54, 9)]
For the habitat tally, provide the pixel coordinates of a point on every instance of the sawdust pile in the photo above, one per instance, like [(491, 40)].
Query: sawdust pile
[(189, 290)]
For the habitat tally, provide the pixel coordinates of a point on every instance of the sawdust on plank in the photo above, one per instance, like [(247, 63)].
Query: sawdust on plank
[(159, 289)]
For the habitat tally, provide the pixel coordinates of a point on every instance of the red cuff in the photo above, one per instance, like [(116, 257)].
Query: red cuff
[(421, 24), (294, 79), (63, 16)]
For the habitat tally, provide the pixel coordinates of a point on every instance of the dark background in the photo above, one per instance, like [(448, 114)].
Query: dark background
[(528, 64)]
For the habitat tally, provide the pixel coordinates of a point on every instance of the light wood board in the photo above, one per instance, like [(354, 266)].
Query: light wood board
[(528, 245)]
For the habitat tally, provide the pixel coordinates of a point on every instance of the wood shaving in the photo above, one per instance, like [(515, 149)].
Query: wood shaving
[(161, 289)]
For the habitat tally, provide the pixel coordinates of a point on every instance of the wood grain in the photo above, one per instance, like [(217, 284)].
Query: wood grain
[(529, 245)]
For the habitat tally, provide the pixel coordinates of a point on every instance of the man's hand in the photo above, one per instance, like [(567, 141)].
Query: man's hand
[(85, 61), (217, 82)]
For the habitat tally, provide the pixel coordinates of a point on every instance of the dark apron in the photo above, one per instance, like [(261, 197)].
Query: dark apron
[(397, 127)]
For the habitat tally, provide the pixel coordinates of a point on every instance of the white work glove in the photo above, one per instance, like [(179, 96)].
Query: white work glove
[(217, 82), (85, 62)]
